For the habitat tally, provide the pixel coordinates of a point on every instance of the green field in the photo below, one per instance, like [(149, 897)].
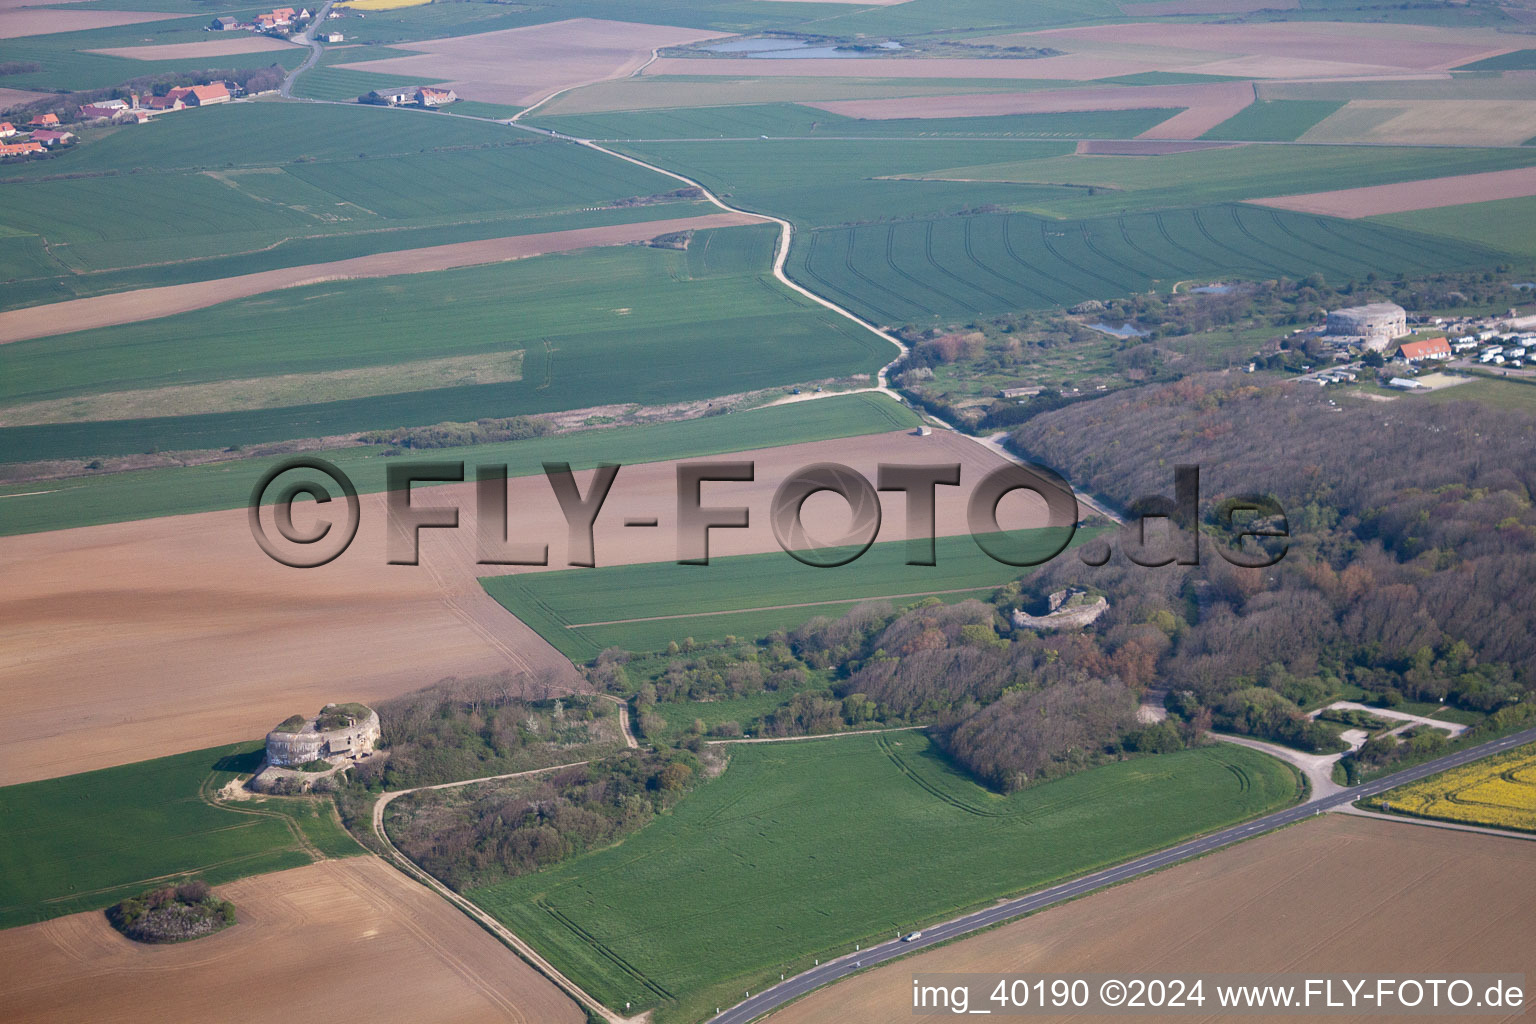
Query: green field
[(1502, 224), (1274, 120), (145, 494), (84, 842), (1516, 60), (249, 186), (950, 268), (686, 600), (1498, 394), (618, 324), (993, 225), (830, 182), (802, 849)]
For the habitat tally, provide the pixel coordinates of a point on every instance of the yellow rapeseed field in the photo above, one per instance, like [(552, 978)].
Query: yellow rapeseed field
[(1498, 791), (381, 5)]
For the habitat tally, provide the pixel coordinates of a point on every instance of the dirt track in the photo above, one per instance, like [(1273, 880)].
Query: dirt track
[(151, 303), (1411, 195), (353, 934), (521, 66), (125, 642), (1334, 895)]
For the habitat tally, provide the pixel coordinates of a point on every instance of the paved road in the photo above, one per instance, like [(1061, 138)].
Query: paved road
[(833, 970), (307, 38)]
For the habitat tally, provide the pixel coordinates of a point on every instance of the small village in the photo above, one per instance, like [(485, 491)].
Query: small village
[(1405, 352), (46, 131)]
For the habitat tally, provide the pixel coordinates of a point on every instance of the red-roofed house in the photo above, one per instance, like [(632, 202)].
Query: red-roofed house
[(51, 138), (7, 129), (429, 97), (1428, 348), (19, 148), (43, 121), (207, 95), (92, 112), (159, 103)]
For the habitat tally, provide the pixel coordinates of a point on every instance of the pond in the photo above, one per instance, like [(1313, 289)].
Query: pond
[(1123, 331)]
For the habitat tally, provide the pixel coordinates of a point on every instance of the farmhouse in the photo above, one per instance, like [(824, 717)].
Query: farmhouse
[(50, 138), (386, 99), (7, 129), (207, 95), (339, 731), (1428, 348), (1377, 323), (224, 24), (19, 148), (429, 97), (95, 112), (44, 121)]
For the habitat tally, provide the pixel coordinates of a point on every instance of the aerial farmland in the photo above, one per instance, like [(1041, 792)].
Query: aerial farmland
[(666, 513)]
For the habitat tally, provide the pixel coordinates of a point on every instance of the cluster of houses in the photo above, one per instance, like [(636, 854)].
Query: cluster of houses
[(41, 133), (275, 20), (138, 109), (426, 97), (45, 132)]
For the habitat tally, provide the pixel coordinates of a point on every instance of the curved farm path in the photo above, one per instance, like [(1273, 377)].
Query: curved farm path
[(491, 924), (780, 257), (306, 38)]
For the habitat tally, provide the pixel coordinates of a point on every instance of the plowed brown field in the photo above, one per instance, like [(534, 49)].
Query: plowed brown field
[(36, 21), (350, 939), (1336, 895), (131, 641), (521, 66), (1208, 105), (1424, 194), (1370, 46), (227, 42)]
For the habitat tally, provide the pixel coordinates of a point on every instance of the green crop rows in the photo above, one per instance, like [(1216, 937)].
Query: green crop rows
[(950, 268)]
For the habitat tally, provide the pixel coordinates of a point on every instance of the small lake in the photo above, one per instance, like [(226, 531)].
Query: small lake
[(796, 48), (1123, 331)]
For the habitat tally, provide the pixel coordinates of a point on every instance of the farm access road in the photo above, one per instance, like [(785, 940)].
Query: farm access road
[(485, 920), (780, 256), (771, 999), (306, 38)]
